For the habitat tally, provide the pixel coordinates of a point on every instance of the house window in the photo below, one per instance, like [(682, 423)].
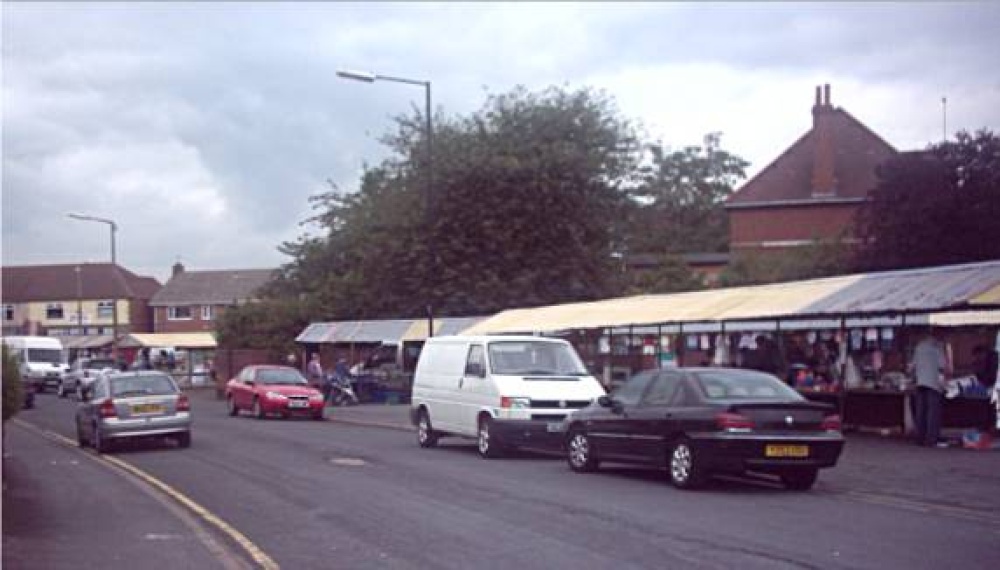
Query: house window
[(178, 313), (206, 312), (54, 312), (105, 309), (8, 312)]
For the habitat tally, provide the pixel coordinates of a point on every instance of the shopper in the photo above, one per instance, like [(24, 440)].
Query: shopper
[(930, 368)]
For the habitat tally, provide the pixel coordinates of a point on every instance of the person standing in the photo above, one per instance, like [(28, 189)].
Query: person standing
[(929, 367), (315, 371)]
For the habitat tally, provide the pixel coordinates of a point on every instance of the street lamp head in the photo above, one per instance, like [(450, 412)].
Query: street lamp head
[(365, 76), (111, 223)]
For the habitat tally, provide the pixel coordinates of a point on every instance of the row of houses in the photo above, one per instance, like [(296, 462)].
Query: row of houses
[(811, 192)]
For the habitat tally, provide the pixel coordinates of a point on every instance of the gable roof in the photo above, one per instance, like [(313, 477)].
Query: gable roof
[(223, 287), (32, 283), (858, 151)]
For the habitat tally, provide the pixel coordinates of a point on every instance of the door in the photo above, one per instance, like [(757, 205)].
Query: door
[(243, 389), (476, 390), (611, 432), (652, 421)]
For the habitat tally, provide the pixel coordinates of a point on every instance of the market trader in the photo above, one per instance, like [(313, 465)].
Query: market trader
[(929, 367)]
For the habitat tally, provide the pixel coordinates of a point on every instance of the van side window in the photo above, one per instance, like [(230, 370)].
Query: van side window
[(475, 364)]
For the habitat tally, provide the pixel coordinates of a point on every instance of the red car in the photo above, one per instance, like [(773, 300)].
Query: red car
[(266, 389)]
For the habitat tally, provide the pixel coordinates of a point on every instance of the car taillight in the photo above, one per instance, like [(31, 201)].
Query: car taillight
[(183, 404), (107, 409), (733, 422), (831, 423)]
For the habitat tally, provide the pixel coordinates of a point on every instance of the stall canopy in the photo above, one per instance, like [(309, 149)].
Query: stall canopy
[(177, 340), (953, 289), (393, 331), (86, 342)]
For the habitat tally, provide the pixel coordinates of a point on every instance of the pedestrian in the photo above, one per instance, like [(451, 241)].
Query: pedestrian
[(315, 371), (930, 369), (292, 360)]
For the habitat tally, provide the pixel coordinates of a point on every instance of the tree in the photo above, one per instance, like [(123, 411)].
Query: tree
[(822, 258), (13, 389), (936, 207), (527, 196)]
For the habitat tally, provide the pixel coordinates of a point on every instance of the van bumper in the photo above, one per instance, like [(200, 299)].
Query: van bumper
[(529, 433)]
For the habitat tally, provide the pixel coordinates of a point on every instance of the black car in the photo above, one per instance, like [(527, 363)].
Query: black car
[(700, 421)]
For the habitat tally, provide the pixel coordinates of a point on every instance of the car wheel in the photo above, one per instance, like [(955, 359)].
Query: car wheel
[(80, 440), (318, 415), (61, 392), (685, 468), (580, 453), (184, 439), (426, 436), (100, 443), (231, 406), (799, 479), (258, 412), (487, 445)]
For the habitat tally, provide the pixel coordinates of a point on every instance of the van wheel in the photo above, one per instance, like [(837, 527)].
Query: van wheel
[(580, 453), (426, 436), (61, 392), (488, 446), (685, 467)]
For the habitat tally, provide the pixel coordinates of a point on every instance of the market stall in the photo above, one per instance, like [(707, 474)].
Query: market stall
[(188, 357)]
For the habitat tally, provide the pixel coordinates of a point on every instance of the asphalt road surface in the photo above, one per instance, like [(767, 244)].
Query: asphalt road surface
[(329, 495)]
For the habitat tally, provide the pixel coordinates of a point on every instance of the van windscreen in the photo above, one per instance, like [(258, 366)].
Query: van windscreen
[(534, 358), (50, 355)]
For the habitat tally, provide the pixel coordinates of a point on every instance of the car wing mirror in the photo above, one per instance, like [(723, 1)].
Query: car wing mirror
[(248, 382)]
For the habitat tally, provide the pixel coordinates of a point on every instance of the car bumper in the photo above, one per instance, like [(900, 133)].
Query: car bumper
[(283, 407), (731, 452), (116, 428), (529, 433)]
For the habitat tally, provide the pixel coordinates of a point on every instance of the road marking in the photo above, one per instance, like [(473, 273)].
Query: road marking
[(348, 461), (258, 555), (924, 507)]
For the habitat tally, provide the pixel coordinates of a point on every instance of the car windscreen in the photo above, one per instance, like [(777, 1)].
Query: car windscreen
[(141, 386), (743, 385), (280, 376), (50, 355), (99, 364), (534, 358)]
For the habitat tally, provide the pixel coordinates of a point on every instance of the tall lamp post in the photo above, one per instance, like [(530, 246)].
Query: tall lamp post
[(114, 269), (369, 77)]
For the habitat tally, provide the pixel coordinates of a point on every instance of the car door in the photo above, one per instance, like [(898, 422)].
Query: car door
[(87, 410), (610, 431), (243, 388), (651, 422)]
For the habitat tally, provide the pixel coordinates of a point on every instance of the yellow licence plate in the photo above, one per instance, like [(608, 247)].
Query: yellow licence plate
[(147, 409), (786, 451)]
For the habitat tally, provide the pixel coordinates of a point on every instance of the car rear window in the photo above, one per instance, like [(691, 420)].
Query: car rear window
[(279, 376), (743, 385), (142, 386)]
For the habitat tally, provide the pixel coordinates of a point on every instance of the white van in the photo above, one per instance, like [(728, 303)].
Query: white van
[(504, 391), (40, 359)]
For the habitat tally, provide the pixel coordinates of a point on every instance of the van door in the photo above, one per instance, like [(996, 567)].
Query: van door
[(476, 390)]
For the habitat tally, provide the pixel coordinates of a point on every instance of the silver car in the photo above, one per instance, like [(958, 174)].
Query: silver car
[(81, 374), (127, 405)]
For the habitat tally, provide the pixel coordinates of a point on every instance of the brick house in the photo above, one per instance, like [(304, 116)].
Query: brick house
[(812, 191), (192, 300), (74, 300)]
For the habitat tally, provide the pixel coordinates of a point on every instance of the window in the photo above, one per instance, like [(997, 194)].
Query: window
[(662, 390), (476, 364), (743, 384), (178, 313), (535, 358), (105, 309), (54, 312), (206, 312), (630, 392), (8, 312)]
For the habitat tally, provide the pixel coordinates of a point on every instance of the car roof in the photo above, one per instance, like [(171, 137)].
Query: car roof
[(135, 374)]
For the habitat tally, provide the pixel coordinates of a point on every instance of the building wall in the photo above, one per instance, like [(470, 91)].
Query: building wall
[(31, 318), (752, 228)]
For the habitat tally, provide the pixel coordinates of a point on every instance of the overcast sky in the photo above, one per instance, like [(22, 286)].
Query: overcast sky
[(203, 128)]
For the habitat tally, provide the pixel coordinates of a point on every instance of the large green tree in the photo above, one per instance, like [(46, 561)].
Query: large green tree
[(936, 207)]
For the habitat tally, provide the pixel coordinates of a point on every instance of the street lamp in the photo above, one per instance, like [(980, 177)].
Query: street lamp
[(369, 77), (114, 269)]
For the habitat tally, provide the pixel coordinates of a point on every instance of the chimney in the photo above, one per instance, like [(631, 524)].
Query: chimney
[(824, 182), (177, 269)]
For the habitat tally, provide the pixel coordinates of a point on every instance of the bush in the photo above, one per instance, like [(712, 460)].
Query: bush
[(13, 390)]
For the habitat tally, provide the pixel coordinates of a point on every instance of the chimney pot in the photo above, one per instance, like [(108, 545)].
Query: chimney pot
[(177, 269), (826, 95), (819, 96)]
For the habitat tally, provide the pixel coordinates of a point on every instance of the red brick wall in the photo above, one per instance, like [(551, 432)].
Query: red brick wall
[(752, 226)]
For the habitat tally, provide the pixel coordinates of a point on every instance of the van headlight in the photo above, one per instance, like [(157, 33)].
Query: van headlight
[(515, 403)]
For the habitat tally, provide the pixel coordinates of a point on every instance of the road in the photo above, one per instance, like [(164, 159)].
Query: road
[(329, 495)]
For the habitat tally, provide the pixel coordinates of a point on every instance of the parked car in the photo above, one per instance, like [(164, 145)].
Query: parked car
[(267, 389), (504, 391), (701, 421), (130, 405), (81, 374)]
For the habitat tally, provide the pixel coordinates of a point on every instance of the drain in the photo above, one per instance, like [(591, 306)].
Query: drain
[(348, 461)]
